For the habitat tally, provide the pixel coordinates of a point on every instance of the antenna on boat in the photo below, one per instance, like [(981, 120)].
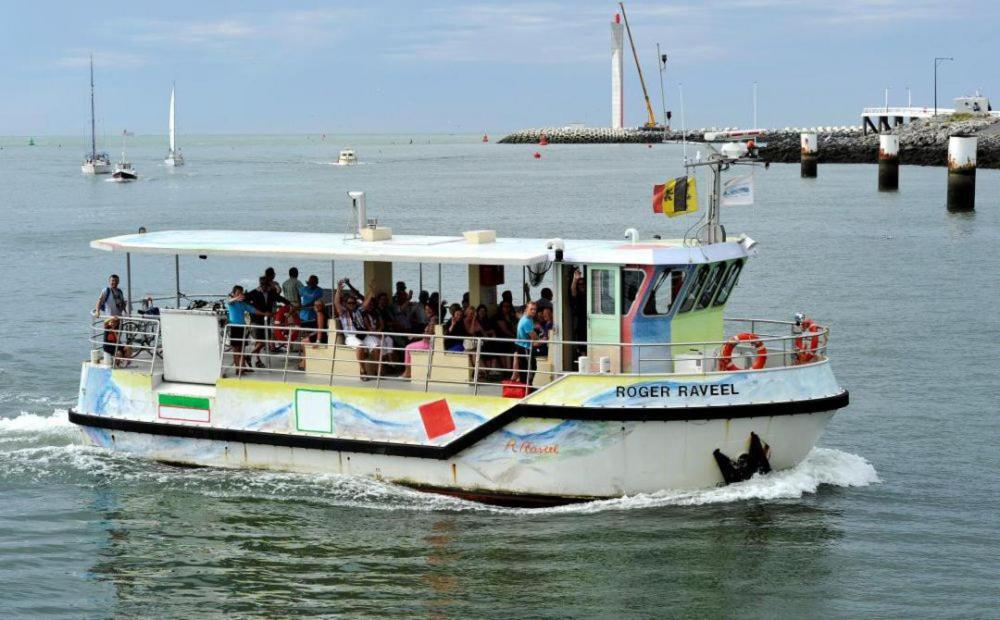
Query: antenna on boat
[(737, 148)]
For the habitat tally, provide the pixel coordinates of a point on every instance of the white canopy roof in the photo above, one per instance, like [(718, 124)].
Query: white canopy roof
[(412, 248)]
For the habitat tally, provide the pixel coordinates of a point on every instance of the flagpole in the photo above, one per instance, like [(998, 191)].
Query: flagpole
[(680, 88)]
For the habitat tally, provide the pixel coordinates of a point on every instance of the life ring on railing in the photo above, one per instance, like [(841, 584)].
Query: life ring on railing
[(726, 355), (805, 346)]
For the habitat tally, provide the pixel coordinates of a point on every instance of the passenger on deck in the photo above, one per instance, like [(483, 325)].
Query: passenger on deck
[(526, 338), (578, 312), (406, 315), (505, 326), (543, 327), (308, 295), (237, 308), (264, 299), (120, 354), (545, 301), (465, 300), (352, 319), (111, 301), (421, 316), (455, 330), (290, 288), (422, 344)]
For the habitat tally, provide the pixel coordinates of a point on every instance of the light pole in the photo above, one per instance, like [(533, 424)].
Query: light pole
[(937, 61)]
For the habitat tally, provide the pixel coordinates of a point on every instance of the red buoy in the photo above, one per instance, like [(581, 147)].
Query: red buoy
[(537, 155)]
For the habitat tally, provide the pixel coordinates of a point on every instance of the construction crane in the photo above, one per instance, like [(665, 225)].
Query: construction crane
[(651, 123)]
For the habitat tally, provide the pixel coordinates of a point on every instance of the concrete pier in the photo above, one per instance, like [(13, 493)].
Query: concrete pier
[(888, 163), (810, 154), (962, 173)]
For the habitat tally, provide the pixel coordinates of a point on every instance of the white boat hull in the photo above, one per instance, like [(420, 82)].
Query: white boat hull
[(584, 438), (173, 161), (95, 168), (650, 457)]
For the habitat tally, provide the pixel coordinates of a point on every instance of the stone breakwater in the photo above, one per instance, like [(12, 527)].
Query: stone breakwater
[(921, 142)]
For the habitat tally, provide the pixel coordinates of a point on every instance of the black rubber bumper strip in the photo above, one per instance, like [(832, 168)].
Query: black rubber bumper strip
[(521, 410)]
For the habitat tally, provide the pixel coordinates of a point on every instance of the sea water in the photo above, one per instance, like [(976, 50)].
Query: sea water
[(893, 514)]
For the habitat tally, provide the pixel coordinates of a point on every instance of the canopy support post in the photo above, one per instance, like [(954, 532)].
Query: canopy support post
[(420, 278), (177, 278), (439, 291), (524, 287), (333, 276), (128, 280)]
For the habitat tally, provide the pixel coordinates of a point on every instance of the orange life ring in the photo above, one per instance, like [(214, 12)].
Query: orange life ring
[(726, 355), (805, 353)]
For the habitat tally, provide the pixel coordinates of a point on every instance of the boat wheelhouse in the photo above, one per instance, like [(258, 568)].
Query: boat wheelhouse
[(347, 157), (643, 384)]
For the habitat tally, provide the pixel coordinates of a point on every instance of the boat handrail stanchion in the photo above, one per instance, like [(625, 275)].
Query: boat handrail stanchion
[(222, 350), (333, 358), (128, 280), (288, 352), (475, 367), (156, 347), (430, 358), (177, 278)]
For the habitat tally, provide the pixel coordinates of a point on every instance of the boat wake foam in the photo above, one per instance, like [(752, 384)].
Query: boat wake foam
[(37, 447)]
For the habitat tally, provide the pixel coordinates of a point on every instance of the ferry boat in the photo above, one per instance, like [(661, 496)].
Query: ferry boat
[(644, 385)]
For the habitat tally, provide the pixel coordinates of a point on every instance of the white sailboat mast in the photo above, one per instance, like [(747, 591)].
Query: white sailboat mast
[(93, 125), (172, 131)]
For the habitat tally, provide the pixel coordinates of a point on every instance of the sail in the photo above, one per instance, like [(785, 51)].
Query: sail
[(172, 136)]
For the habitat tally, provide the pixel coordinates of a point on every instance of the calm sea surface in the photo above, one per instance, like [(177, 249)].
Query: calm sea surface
[(894, 514)]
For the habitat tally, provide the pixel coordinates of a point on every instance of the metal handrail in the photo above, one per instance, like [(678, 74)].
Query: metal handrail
[(290, 363), (134, 336)]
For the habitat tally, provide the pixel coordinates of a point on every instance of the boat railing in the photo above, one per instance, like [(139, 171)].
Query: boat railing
[(127, 341), (293, 353)]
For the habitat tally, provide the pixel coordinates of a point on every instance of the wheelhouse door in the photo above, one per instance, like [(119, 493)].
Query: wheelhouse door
[(604, 313)]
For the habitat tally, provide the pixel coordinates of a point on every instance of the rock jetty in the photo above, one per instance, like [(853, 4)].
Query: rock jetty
[(922, 142)]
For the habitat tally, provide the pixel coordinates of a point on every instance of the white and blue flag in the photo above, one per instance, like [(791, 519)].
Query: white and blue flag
[(738, 191)]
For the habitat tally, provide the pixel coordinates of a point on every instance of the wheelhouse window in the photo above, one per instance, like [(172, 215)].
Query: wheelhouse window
[(631, 284), (708, 292), (602, 298), (695, 290), (666, 287), (729, 282)]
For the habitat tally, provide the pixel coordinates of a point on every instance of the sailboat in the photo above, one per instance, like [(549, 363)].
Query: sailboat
[(124, 172), (94, 163), (174, 157)]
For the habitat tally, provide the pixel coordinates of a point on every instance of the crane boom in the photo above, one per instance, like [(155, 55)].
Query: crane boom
[(649, 106)]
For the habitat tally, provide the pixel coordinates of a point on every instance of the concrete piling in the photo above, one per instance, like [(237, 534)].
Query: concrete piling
[(888, 163), (810, 154), (962, 173)]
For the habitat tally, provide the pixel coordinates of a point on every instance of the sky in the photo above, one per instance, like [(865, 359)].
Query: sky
[(254, 67)]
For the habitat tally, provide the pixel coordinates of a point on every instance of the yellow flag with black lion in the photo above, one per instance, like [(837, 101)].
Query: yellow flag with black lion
[(676, 196)]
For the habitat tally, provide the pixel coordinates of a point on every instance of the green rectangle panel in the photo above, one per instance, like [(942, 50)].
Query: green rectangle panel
[(177, 400)]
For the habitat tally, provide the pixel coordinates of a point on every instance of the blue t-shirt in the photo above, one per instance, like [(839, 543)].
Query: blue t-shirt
[(524, 328), (308, 296), (237, 312)]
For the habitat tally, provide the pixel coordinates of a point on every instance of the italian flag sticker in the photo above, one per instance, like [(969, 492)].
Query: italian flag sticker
[(185, 408)]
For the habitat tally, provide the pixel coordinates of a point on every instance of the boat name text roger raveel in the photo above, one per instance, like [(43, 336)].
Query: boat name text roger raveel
[(666, 391)]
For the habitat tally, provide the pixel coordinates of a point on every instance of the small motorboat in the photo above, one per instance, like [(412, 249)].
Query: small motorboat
[(347, 158), (124, 171)]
